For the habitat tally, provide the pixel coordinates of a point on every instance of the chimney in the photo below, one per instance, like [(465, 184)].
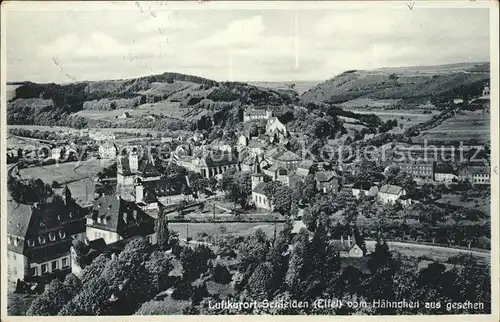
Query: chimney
[(341, 239), (349, 240)]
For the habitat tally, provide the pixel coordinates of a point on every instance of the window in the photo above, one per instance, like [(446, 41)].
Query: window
[(54, 265), (34, 271), (52, 236), (64, 262), (41, 239), (31, 242), (10, 240), (13, 255), (62, 234), (98, 220), (44, 269), (150, 239)]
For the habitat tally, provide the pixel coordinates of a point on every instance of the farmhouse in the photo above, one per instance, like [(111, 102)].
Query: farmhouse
[(327, 181), (475, 174), (39, 237), (389, 194), (125, 115), (349, 247)]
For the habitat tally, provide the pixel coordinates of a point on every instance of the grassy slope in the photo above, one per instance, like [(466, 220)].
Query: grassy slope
[(420, 83)]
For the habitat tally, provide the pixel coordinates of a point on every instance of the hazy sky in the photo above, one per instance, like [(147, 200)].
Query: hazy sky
[(269, 45)]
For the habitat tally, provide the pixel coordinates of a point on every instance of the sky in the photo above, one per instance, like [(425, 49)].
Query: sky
[(237, 45)]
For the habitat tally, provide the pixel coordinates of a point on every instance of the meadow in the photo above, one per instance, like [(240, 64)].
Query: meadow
[(65, 172), (460, 127)]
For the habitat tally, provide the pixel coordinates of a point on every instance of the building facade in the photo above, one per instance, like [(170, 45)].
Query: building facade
[(39, 237), (327, 181), (390, 194), (419, 169), (475, 174), (254, 114)]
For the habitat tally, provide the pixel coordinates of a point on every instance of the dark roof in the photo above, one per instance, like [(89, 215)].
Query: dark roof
[(391, 189), (108, 207), (478, 169), (444, 168), (260, 188), (325, 176), (362, 186), (19, 216), (287, 156), (112, 208), (147, 169)]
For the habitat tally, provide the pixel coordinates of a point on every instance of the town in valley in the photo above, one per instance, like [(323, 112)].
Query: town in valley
[(175, 193)]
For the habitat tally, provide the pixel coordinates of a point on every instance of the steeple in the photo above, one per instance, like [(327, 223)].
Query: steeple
[(66, 194)]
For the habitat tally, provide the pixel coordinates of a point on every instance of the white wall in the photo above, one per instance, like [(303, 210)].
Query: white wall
[(108, 236)]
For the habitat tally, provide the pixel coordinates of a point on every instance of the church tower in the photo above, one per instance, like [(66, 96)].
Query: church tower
[(257, 175), (66, 195)]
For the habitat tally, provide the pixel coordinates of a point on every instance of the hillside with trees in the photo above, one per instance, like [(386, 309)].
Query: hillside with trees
[(413, 84)]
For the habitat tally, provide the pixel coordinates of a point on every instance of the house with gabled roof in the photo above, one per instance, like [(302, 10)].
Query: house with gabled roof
[(113, 218), (390, 194), (350, 247), (327, 181), (475, 174), (39, 237)]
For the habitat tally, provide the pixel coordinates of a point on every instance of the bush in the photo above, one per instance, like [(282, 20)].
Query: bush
[(166, 307), (221, 274)]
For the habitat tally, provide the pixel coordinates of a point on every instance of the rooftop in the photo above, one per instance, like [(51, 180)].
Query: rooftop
[(391, 189)]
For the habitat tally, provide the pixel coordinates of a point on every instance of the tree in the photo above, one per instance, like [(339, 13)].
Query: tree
[(259, 284), (95, 269), (158, 267), (199, 293), (162, 231), (221, 274), (195, 262), (295, 273), (51, 301), (94, 299), (380, 256)]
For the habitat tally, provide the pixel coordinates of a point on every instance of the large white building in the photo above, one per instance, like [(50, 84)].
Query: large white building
[(390, 194)]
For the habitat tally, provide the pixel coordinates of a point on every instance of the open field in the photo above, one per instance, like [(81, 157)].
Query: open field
[(407, 118), (241, 229), (65, 172), (165, 108), (435, 252), (461, 127), (470, 122), (368, 102), (482, 204)]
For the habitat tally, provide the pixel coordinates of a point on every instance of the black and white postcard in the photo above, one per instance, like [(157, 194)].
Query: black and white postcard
[(249, 158)]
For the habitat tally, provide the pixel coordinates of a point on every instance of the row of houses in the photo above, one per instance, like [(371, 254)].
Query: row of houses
[(428, 170)]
